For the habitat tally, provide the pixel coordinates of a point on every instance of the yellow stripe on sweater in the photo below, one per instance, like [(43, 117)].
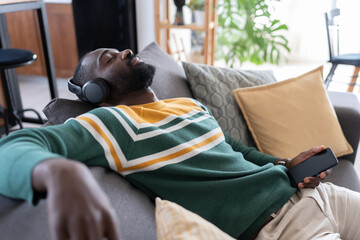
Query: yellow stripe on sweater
[(106, 139), (178, 156), (174, 155), (149, 113)]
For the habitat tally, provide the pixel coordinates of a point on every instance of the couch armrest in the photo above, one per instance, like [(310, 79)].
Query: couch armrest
[(347, 109)]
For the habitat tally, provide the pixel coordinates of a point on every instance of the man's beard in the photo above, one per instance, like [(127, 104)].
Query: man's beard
[(140, 78)]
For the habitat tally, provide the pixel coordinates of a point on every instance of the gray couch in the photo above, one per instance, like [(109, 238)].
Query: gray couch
[(18, 220)]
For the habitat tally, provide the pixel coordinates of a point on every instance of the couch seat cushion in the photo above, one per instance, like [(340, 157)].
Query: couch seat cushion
[(344, 175)]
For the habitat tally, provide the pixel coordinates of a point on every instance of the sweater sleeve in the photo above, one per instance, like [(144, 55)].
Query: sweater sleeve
[(250, 154), (22, 150)]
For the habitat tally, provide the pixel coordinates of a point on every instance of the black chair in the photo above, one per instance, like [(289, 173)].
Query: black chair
[(332, 29), (12, 58)]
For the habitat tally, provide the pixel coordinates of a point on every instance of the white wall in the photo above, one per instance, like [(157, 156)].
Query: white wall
[(145, 23), (305, 18), (307, 33)]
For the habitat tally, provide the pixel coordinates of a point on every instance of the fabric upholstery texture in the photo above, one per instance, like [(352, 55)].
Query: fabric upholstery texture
[(59, 110), (170, 79), (213, 87), (174, 222), (291, 116), (347, 108), (344, 175)]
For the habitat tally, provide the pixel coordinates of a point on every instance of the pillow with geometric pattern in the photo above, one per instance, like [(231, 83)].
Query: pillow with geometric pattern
[(213, 87)]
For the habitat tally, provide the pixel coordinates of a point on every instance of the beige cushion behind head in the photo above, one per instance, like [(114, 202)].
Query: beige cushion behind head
[(288, 117)]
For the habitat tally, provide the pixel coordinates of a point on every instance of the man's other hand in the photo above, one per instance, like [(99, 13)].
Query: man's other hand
[(77, 206), (309, 182)]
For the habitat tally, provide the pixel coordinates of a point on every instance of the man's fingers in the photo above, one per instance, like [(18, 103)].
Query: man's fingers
[(312, 151), (111, 227), (313, 179), (58, 229), (77, 229), (318, 178), (325, 173), (94, 227), (77, 206), (308, 185), (305, 155), (313, 182)]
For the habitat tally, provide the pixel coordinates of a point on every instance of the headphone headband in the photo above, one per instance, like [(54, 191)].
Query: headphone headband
[(73, 87), (94, 92)]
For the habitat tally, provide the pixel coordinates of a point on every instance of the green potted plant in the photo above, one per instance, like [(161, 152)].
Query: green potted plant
[(196, 4), (197, 7), (248, 32)]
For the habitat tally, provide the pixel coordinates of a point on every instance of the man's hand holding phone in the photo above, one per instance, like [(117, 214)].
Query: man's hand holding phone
[(305, 174)]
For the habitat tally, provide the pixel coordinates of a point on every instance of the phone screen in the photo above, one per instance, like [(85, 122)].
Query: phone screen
[(312, 166)]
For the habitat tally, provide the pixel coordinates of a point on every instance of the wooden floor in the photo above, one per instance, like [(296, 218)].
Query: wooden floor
[(35, 92)]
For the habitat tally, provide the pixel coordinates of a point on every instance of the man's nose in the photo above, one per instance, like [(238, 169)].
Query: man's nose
[(125, 53)]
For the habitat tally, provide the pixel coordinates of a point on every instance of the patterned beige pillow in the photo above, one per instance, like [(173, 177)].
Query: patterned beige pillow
[(213, 87), (291, 116), (174, 222)]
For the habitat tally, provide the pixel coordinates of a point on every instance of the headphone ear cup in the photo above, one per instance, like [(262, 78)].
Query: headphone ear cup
[(96, 91)]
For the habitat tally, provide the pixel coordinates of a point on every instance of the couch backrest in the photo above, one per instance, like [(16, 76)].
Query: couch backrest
[(170, 79)]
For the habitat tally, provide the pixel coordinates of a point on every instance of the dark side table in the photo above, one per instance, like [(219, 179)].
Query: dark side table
[(7, 6)]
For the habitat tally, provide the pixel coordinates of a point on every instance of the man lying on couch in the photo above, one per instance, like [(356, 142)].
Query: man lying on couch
[(172, 149)]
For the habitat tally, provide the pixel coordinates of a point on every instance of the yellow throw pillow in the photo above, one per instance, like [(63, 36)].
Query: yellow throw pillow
[(174, 222), (291, 116)]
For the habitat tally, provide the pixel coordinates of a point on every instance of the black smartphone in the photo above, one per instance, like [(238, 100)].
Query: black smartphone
[(312, 166)]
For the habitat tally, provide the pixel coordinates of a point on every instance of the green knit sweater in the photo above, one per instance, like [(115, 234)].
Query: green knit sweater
[(173, 149)]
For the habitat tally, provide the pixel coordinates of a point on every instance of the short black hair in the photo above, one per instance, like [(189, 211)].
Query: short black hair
[(82, 73)]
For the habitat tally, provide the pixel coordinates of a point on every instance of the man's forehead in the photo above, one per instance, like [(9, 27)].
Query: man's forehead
[(91, 57)]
